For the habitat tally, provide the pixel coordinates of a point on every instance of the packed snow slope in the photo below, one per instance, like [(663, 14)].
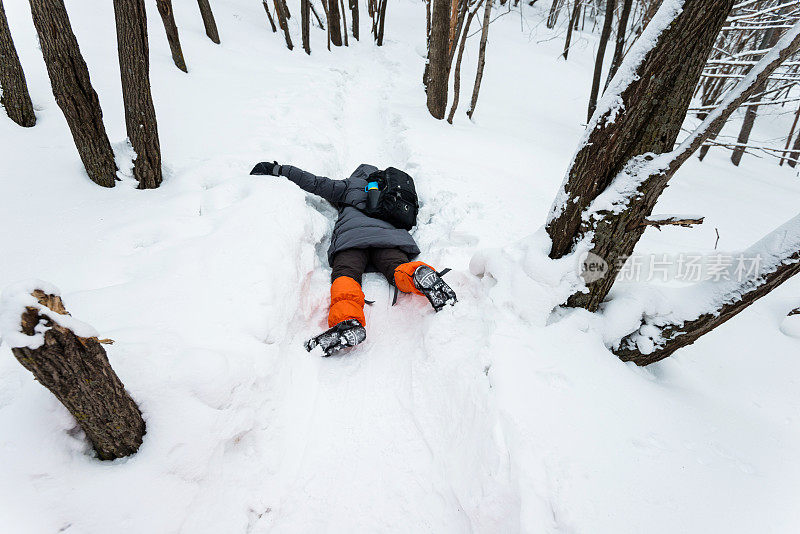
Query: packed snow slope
[(492, 416)]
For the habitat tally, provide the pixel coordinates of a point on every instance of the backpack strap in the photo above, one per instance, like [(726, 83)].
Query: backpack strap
[(394, 299), (444, 271)]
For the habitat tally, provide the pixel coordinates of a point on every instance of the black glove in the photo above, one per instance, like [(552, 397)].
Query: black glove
[(266, 168)]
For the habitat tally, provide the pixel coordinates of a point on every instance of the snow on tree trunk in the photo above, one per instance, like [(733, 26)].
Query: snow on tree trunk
[(168, 19), (640, 113), (66, 357), (140, 115), (14, 96), (72, 87), (611, 224), (772, 260)]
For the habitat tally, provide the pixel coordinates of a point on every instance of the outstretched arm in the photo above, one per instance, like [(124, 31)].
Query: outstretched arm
[(331, 190)]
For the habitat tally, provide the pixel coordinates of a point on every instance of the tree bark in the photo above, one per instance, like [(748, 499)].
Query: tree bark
[(140, 115), (354, 17), (552, 17), (795, 154), (72, 88), (343, 12), (576, 9), (619, 47), (487, 18), (457, 72), (168, 18), (15, 97), (265, 3), (381, 21), (647, 117), (767, 41), (208, 20), (77, 371), (438, 71), (334, 24), (601, 52), (281, 14), (659, 337), (305, 23), (316, 16)]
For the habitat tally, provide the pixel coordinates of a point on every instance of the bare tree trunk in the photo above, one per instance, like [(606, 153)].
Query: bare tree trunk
[(140, 115), (305, 22), (457, 72), (13, 87), (265, 3), (648, 113), (286, 10), (552, 17), (439, 71), (281, 14), (334, 23), (316, 16), (73, 89), (767, 41), (660, 337), (327, 18), (576, 9), (343, 11), (619, 48), (795, 155), (381, 21), (167, 17), (208, 20), (77, 371), (487, 18), (789, 137), (601, 52), (354, 17)]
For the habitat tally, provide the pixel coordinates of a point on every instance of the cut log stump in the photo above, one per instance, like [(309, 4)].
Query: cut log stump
[(66, 357)]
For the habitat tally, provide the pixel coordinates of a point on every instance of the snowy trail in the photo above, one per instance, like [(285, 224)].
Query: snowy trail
[(373, 439)]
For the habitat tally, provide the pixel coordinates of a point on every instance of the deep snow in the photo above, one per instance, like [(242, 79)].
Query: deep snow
[(492, 416)]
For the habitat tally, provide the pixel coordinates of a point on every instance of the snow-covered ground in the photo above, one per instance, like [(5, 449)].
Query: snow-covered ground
[(491, 416)]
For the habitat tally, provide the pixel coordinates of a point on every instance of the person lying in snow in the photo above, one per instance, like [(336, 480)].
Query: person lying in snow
[(360, 241)]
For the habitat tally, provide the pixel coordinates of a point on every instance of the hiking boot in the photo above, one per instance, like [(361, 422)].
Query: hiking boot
[(433, 287), (346, 334)]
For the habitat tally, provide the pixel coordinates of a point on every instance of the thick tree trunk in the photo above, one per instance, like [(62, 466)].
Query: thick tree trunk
[(305, 23), (619, 47), (73, 89), (576, 9), (439, 70), (76, 370), (281, 14), (13, 87), (208, 20), (168, 18), (457, 71), (601, 52), (140, 115), (487, 18), (334, 24), (636, 145), (354, 16), (265, 3), (660, 337)]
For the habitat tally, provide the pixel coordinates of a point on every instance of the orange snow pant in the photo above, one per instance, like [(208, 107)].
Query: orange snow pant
[(347, 301), (347, 298)]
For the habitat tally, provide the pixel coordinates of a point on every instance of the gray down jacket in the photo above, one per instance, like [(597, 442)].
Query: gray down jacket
[(353, 229)]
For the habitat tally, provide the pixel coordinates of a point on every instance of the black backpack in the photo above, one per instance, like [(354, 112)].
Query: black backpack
[(397, 202)]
